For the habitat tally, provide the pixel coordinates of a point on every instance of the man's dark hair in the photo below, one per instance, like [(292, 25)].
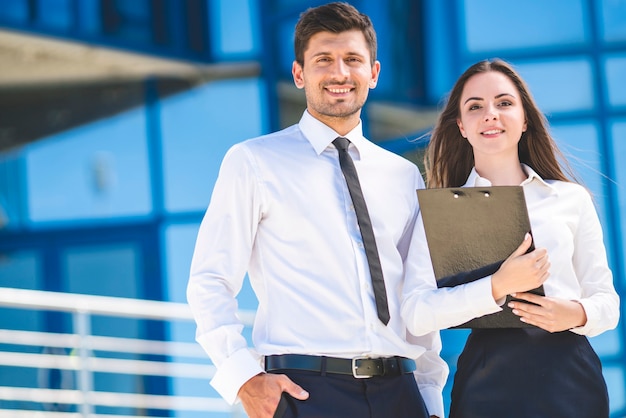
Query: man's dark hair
[(334, 17)]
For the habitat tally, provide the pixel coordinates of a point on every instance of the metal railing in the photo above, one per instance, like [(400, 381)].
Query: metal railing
[(79, 357)]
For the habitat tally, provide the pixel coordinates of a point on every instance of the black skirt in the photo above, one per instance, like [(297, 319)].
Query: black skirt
[(528, 372)]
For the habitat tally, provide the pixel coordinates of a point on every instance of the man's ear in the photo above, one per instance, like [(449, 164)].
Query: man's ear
[(375, 73), (296, 71)]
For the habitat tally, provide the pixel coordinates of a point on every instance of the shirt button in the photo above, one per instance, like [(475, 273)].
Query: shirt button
[(360, 245)]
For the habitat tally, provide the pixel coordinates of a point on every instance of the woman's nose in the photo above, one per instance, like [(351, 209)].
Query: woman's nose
[(490, 113)]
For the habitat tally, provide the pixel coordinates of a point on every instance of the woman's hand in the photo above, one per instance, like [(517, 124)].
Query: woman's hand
[(521, 271), (548, 313)]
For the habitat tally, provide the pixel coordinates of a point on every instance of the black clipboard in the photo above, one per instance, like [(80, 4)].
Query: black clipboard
[(470, 232)]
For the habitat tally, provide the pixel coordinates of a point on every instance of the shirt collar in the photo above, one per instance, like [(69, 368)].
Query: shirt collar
[(321, 136), (475, 180)]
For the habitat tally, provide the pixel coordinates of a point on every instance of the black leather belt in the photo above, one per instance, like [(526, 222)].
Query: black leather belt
[(360, 367)]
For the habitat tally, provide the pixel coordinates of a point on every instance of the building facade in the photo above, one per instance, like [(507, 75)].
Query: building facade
[(115, 115)]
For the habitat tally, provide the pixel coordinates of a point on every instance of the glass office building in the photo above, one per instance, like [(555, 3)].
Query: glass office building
[(106, 167)]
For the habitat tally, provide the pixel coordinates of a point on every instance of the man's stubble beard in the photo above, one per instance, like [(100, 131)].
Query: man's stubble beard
[(332, 110)]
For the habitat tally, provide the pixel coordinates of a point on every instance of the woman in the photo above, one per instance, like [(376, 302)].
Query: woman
[(491, 133)]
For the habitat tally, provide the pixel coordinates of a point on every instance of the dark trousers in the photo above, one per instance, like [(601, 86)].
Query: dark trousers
[(340, 396), (522, 373)]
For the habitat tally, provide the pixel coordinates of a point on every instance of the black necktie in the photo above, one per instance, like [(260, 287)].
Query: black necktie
[(365, 225)]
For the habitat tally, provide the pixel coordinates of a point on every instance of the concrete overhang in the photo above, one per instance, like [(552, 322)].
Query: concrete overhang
[(49, 85)]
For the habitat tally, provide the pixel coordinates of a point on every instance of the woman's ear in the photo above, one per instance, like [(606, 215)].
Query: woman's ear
[(460, 125)]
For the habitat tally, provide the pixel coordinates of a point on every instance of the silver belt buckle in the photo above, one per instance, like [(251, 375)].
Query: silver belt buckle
[(355, 367)]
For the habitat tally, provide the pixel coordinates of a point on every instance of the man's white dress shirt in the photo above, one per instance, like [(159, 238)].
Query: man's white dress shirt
[(281, 212), (563, 220)]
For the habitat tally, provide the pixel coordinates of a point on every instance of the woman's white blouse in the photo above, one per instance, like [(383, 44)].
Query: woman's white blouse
[(565, 222)]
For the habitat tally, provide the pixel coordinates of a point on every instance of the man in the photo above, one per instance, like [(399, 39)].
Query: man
[(282, 211)]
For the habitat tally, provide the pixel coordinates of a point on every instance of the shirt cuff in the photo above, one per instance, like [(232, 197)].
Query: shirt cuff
[(234, 372), (480, 294), (433, 399), (591, 315)]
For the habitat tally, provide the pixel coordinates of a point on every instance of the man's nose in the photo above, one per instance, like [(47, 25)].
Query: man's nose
[(340, 68)]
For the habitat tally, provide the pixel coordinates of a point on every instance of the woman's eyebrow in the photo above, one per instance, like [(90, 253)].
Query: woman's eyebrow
[(480, 98), (472, 98)]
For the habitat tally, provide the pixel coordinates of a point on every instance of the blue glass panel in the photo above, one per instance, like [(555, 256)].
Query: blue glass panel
[(613, 24), (615, 67), (137, 11), (179, 245), (111, 270), (105, 270), (618, 133), (234, 28), (198, 127), (90, 19), (579, 144), (614, 377), (608, 343), (496, 25), (11, 190), (93, 172), (286, 54), (560, 86), (133, 20), (440, 68), (453, 341), (55, 14), (14, 11), (20, 270), (292, 3)]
